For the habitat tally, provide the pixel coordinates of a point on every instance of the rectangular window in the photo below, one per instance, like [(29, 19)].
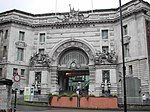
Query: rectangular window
[(20, 54), (0, 72), (15, 71), (38, 78), (1, 34), (42, 37), (6, 34), (41, 51), (22, 72), (1, 37), (126, 49), (21, 35), (104, 34), (5, 51), (130, 70), (105, 49), (125, 30), (105, 76)]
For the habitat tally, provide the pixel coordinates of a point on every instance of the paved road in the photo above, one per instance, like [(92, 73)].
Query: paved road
[(47, 109)]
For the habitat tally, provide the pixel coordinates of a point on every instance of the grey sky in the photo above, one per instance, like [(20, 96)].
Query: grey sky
[(49, 6)]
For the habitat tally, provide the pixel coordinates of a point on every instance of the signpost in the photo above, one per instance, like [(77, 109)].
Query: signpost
[(16, 86)]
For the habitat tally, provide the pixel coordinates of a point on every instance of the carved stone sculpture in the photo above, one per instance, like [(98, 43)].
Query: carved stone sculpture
[(40, 59), (105, 57)]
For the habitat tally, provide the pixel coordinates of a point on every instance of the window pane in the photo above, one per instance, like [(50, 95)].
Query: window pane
[(42, 37), (6, 34), (20, 54), (15, 71), (126, 50), (104, 34), (105, 76), (21, 35), (130, 70), (0, 72), (22, 72), (125, 32), (1, 34), (38, 77), (5, 51)]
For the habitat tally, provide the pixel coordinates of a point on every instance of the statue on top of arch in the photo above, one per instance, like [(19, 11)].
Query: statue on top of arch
[(105, 57), (73, 15), (39, 59)]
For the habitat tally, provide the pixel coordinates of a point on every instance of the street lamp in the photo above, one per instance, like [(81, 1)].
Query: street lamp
[(123, 60)]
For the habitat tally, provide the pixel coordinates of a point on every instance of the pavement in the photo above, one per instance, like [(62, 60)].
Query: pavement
[(22, 108)]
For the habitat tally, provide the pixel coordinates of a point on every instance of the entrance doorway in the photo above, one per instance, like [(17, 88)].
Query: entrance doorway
[(71, 80)]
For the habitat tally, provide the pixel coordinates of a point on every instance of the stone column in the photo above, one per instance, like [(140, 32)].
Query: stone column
[(44, 82), (54, 80), (31, 78), (113, 81), (98, 81), (92, 79)]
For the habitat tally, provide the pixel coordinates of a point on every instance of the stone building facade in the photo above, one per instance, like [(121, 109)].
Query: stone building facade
[(77, 49)]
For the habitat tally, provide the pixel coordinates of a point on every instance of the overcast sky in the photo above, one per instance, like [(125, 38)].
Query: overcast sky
[(49, 6)]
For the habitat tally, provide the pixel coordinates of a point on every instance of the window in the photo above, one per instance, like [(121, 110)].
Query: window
[(125, 30), (104, 34), (1, 34), (20, 54), (6, 34), (42, 37), (5, 51), (130, 70), (38, 78), (0, 72), (15, 71), (105, 76), (41, 51), (21, 35), (22, 72), (105, 49), (73, 56), (126, 49)]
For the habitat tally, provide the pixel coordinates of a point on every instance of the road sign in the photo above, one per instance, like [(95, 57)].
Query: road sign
[(16, 78)]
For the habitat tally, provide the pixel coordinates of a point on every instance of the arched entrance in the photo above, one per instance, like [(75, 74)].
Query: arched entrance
[(73, 71)]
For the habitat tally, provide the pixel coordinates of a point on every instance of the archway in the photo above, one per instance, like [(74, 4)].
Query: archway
[(73, 71)]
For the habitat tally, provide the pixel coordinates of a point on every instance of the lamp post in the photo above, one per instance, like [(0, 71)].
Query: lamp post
[(123, 60)]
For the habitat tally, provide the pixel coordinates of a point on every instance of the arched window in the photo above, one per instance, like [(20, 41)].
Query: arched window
[(74, 55)]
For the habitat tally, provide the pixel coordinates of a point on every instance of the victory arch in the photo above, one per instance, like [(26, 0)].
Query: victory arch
[(74, 66), (73, 63)]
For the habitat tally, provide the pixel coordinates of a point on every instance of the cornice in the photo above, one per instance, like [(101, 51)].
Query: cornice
[(59, 21)]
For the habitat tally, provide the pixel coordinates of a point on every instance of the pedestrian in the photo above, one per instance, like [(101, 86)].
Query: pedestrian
[(144, 98)]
